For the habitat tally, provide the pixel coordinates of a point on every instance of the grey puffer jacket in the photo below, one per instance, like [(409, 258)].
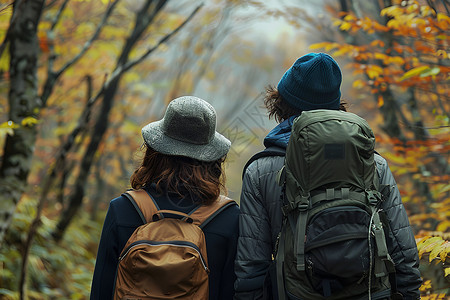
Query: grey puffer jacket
[(261, 218)]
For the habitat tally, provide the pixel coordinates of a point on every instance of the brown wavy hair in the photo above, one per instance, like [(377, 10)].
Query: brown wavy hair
[(279, 109), (181, 175)]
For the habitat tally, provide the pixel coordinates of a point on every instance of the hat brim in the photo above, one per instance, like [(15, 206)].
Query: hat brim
[(154, 137)]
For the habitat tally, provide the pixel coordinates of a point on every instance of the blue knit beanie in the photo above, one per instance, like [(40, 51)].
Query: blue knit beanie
[(313, 82)]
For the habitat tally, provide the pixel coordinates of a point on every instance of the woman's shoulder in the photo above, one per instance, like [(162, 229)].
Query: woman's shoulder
[(119, 203), (124, 212), (227, 206), (225, 221)]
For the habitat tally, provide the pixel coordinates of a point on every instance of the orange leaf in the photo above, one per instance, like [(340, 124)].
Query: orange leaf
[(380, 101), (44, 42), (377, 43)]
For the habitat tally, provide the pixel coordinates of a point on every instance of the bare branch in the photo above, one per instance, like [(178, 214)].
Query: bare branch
[(88, 44), (52, 75), (132, 63), (58, 15)]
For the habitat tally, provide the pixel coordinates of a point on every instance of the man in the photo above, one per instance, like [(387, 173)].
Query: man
[(313, 82)]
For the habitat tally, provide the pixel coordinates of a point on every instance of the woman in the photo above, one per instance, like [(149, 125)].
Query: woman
[(182, 167)]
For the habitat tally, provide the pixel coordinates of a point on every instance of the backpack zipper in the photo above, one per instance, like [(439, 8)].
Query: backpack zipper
[(166, 243)]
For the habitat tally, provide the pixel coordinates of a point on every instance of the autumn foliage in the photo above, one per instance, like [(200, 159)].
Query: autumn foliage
[(398, 57), (405, 65)]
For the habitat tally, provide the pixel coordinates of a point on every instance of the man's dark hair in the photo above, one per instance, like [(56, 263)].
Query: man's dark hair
[(279, 109)]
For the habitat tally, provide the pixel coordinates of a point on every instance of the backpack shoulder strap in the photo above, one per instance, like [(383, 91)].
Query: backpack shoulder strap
[(269, 151), (205, 213), (143, 203)]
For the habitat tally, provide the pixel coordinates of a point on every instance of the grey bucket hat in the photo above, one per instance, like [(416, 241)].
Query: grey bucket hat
[(188, 128)]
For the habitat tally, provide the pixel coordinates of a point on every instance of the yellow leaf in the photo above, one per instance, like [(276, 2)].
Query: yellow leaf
[(9, 124), (391, 11), (380, 56), (6, 131), (380, 101), (414, 72), (29, 122), (345, 26), (130, 77), (318, 45), (331, 46), (412, 8), (342, 51), (358, 84), (392, 23), (371, 74), (349, 18), (374, 71), (444, 253), (443, 226), (442, 17), (429, 245), (337, 22), (426, 11), (396, 60), (4, 61), (427, 240), (447, 272), (7, 128), (426, 285), (441, 53), (435, 252)]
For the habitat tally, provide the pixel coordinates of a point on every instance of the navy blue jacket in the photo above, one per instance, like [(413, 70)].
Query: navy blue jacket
[(261, 214), (122, 219)]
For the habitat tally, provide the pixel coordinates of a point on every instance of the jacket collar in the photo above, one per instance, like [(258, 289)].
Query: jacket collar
[(279, 136)]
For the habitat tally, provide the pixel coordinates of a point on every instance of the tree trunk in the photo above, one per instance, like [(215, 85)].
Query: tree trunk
[(144, 18), (23, 103)]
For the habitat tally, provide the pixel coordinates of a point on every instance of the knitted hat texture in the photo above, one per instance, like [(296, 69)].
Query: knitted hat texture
[(312, 82)]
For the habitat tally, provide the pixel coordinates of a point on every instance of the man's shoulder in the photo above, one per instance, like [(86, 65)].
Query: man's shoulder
[(264, 162), (380, 163)]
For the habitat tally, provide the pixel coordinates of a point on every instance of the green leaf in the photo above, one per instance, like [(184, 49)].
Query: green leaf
[(431, 72), (415, 72)]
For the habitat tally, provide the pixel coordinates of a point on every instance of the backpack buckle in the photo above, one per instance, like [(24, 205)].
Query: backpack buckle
[(373, 197), (302, 207), (302, 202)]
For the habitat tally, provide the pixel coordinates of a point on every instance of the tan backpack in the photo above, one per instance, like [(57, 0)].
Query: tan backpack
[(166, 257)]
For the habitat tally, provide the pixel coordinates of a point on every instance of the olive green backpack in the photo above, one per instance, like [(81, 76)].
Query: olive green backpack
[(332, 244)]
